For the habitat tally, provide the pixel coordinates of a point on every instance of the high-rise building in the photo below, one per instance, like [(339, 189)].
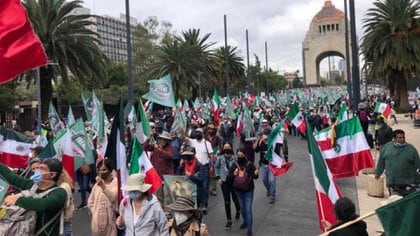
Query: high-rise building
[(112, 34)]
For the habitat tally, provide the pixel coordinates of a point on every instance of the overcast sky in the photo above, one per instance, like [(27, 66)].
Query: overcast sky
[(282, 23)]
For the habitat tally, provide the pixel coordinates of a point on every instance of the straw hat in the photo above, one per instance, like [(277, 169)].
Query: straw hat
[(199, 130), (188, 151), (183, 203), (135, 182), (165, 135)]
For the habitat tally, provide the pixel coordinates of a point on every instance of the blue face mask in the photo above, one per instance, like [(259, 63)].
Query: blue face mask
[(36, 177), (399, 145), (134, 195)]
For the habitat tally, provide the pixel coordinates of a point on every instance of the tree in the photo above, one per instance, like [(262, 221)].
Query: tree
[(187, 59), (254, 75), (69, 43), (236, 67), (392, 43)]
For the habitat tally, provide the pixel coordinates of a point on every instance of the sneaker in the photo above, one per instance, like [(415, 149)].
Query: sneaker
[(272, 200), (242, 226), (204, 210), (81, 206), (228, 225), (237, 215), (214, 193)]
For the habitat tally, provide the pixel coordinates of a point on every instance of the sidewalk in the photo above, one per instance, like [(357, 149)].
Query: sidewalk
[(368, 203)]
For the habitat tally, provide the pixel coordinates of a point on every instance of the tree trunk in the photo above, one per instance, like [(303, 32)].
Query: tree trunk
[(46, 90), (391, 87), (401, 89)]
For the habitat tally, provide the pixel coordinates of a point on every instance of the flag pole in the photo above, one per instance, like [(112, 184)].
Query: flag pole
[(321, 208)]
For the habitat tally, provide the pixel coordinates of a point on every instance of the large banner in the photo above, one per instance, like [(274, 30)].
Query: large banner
[(179, 185)]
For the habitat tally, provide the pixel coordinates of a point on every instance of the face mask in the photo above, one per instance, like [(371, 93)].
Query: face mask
[(189, 158), (36, 177), (399, 145), (134, 195), (180, 218), (104, 175), (241, 161), (30, 155), (199, 136)]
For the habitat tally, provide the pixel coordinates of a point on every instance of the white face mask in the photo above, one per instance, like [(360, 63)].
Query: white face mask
[(30, 155), (180, 218)]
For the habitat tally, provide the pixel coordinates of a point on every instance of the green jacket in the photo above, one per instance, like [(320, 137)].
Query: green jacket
[(46, 208), (400, 164)]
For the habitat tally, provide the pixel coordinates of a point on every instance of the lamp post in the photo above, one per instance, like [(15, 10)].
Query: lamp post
[(129, 57), (38, 83), (366, 68)]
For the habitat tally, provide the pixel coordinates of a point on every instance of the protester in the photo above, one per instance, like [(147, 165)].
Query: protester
[(204, 155), (401, 163), (224, 162), (66, 183), (103, 200), (216, 144), (243, 174), (176, 143), (141, 213), (384, 134), (161, 158), (83, 177), (344, 212), (48, 208), (268, 179), (226, 130), (187, 219)]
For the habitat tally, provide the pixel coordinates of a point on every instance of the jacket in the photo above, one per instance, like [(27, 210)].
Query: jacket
[(220, 168), (152, 220), (250, 170), (356, 229)]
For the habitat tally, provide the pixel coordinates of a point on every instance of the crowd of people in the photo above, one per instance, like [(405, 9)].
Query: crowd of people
[(208, 154)]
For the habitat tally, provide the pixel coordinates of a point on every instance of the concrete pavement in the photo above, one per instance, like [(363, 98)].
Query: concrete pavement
[(368, 203)]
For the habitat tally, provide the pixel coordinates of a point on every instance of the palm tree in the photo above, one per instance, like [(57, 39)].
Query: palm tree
[(69, 43), (236, 67), (189, 61), (392, 43)]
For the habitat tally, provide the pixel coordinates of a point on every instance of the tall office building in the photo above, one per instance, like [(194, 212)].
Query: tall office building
[(112, 34)]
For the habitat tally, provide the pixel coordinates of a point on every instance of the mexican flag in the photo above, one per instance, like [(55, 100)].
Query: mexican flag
[(63, 148), (216, 104), (402, 216), (296, 117), (239, 124), (277, 165), (345, 148), (21, 49), (140, 163), (327, 192), (383, 108), (115, 150), (142, 126), (14, 148)]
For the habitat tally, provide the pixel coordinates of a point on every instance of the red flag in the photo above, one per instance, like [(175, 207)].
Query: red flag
[(20, 47)]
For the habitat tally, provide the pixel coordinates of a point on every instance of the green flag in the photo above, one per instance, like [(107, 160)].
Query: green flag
[(55, 122), (161, 92), (4, 186), (70, 118), (88, 107), (228, 111), (402, 216), (137, 150)]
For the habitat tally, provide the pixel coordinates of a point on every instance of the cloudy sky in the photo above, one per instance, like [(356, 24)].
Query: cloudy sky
[(281, 23)]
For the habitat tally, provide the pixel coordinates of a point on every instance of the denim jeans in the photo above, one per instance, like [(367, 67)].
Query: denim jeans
[(203, 192), (68, 228), (245, 202), (269, 180), (83, 181)]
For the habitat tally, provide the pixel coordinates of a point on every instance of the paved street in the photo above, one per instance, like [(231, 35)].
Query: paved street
[(294, 212)]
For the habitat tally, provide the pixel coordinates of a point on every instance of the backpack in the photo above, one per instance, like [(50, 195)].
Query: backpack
[(19, 221), (241, 181)]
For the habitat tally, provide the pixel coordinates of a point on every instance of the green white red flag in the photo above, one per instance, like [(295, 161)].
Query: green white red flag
[(276, 162), (142, 127), (140, 163), (21, 49), (327, 192), (14, 148), (296, 117), (383, 108), (216, 104), (345, 148)]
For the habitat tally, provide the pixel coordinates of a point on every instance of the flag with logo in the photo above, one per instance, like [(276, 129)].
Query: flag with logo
[(21, 49), (161, 92), (55, 122), (14, 148), (277, 164), (140, 163), (345, 148), (81, 145), (102, 142), (296, 117), (327, 192), (4, 186)]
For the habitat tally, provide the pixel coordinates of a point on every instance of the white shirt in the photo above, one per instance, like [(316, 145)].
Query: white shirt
[(201, 153)]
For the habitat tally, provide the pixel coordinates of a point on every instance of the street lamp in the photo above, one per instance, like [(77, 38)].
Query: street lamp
[(366, 68)]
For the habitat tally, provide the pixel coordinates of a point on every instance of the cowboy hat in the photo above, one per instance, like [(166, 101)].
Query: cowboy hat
[(135, 182), (183, 203), (165, 135)]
